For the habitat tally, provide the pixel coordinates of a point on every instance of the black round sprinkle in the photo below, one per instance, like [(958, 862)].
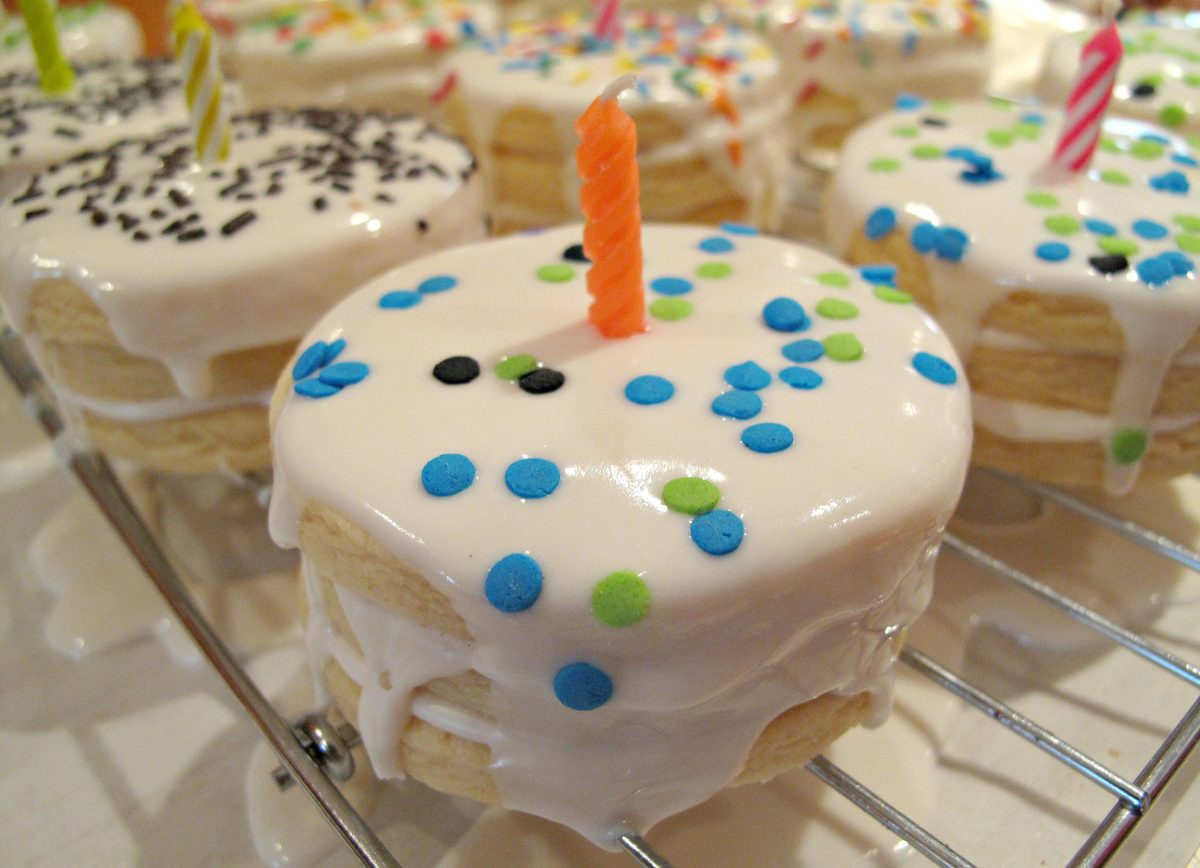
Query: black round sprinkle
[(1113, 263), (1144, 90), (933, 122), (456, 370), (575, 254), (541, 381)]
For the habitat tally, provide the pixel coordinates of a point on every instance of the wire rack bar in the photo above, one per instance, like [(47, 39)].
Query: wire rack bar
[(1081, 613), (97, 477), (885, 813), (642, 852), (1130, 530), (1129, 793)]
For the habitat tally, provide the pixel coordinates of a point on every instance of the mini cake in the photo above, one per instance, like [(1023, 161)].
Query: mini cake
[(380, 55), (600, 579), (849, 61), (110, 100), (163, 297), (87, 32), (707, 104), (1075, 306), (1159, 76)]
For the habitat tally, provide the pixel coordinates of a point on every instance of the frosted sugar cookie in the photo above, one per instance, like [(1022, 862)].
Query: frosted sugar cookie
[(848, 61), (1076, 305), (380, 55), (163, 297), (1158, 79), (707, 105), (87, 32), (598, 580)]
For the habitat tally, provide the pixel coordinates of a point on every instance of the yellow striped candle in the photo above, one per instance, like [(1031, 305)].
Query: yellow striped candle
[(57, 76), (203, 84)]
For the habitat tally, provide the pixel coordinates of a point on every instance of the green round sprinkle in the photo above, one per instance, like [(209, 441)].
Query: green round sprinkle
[(1039, 199), (893, 296), (834, 278), (1192, 80), (515, 367), (670, 309), (999, 138), (1000, 103), (620, 599), (1112, 244), (1188, 243), (1112, 176), (1173, 115), (906, 132), (926, 152), (836, 308), (1154, 79), (1193, 140), (1146, 149), (843, 347), (1188, 222), (884, 164), (1109, 146), (691, 495), (1027, 131), (1128, 445), (1062, 224), (942, 105), (558, 272), (714, 270)]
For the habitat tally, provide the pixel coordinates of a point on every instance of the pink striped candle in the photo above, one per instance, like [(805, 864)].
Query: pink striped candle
[(1084, 112), (608, 20)]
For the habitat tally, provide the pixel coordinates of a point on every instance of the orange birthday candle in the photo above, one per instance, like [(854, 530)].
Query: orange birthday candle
[(612, 232)]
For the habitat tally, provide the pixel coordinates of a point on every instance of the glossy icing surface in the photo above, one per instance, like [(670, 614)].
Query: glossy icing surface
[(190, 261), (88, 32), (1123, 233), (827, 543)]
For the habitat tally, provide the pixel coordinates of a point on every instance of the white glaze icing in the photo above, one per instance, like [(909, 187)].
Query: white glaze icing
[(840, 529), (1162, 54), (1022, 32), (683, 67), (110, 100), (86, 33), (384, 55), (1005, 229), (870, 51), (334, 200)]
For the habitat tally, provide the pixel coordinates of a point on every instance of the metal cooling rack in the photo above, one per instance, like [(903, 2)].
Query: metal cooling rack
[(314, 753)]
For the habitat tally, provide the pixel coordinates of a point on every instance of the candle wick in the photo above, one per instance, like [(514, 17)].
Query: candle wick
[(618, 86)]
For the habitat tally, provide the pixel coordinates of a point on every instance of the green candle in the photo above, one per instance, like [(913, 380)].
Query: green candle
[(56, 74)]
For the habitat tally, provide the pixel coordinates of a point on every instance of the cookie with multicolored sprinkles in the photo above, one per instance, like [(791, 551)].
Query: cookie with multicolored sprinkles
[(846, 62), (707, 104), (1076, 305), (688, 564), (163, 297)]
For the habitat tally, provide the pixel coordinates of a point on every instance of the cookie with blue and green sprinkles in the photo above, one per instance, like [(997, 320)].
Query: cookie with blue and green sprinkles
[(536, 556)]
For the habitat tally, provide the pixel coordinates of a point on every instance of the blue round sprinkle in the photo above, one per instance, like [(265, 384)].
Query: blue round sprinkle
[(1154, 137), (309, 360), (513, 583), (716, 244), (649, 389), (767, 437), (738, 228), (935, 368), (805, 350), (1171, 182), (737, 405), (1099, 227), (908, 102), (343, 373), (801, 378), (313, 388), (1179, 263), (923, 238), (671, 285), (400, 299), (438, 283), (1155, 272), (1052, 251), (333, 351), (951, 243), (962, 152), (1185, 160), (877, 275), (785, 315), (880, 222), (532, 477), (1033, 118), (447, 474), (718, 532), (747, 376), (582, 686), (1150, 230)]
